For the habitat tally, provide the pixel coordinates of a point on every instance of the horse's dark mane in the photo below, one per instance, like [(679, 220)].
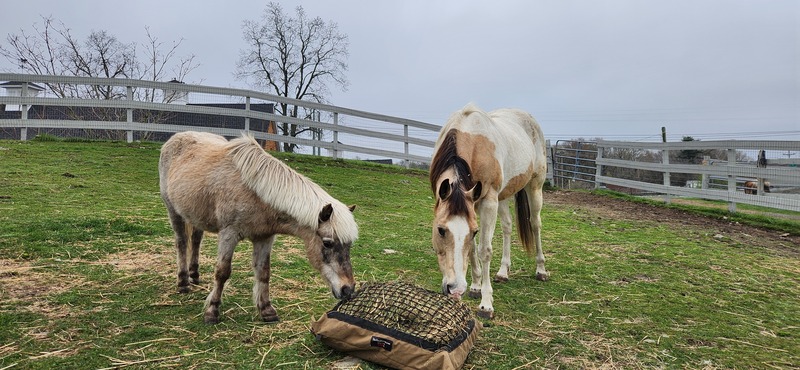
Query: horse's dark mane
[(447, 157)]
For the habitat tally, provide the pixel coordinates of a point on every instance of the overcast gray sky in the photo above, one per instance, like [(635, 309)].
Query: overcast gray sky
[(621, 69)]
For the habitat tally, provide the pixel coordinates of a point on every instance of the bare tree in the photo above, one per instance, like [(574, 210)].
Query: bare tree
[(296, 57), (51, 49)]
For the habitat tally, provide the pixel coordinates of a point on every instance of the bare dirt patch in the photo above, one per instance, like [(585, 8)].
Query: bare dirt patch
[(606, 207)]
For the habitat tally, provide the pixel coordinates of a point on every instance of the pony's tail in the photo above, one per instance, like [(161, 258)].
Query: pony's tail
[(524, 220)]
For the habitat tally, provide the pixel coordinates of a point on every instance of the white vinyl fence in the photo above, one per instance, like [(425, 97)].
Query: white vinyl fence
[(144, 109), (719, 177)]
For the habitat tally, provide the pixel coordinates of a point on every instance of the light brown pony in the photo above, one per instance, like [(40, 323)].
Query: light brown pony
[(480, 161), (236, 189), (751, 187)]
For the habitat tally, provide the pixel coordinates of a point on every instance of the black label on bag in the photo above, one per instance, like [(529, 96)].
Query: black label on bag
[(381, 343)]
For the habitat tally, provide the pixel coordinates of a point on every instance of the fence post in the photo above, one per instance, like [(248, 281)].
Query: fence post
[(704, 178), (335, 135), (731, 178), (667, 182), (599, 172), (23, 132), (129, 112), (247, 109), (405, 137)]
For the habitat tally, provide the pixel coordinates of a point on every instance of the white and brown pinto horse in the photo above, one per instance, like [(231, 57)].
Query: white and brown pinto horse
[(480, 162), (236, 189)]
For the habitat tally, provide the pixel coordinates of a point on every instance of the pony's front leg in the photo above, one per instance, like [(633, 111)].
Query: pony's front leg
[(222, 271), (487, 211), (505, 224), (261, 267)]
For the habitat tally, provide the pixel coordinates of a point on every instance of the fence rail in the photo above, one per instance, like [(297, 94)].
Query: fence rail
[(733, 171), (384, 142)]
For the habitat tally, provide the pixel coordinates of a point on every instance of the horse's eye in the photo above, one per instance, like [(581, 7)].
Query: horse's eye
[(441, 231), (328, 243)]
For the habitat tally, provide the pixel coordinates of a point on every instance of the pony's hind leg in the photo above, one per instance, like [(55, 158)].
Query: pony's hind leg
[(180, 227), (222, 271), (261, 267), (505, 223), (194, 259)]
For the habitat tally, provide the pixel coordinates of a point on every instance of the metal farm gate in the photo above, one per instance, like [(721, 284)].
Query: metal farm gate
[(574, 164)]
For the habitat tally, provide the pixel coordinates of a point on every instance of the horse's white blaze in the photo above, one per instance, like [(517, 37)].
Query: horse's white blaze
[(461, 234)]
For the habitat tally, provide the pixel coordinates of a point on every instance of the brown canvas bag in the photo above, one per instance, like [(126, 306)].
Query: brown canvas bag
[(368, 339)]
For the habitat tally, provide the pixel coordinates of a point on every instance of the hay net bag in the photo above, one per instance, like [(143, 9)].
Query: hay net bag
[(402, 326)]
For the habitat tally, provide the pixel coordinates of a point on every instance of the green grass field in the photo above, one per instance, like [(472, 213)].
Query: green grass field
[(87, 278)]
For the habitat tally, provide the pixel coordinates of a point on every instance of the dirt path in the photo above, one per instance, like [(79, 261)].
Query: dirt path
[(608, 207)]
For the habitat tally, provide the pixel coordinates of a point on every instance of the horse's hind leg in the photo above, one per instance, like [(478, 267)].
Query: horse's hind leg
[(194, 259), (261, 267), (536, 225), (222, 271), (505, 223), (180, 227)]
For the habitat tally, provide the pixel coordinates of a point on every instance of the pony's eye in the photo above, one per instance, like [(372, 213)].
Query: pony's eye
[(441, 231), (328, 243)]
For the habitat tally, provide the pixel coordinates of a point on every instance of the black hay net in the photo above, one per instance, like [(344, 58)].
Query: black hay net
[(434, 318)]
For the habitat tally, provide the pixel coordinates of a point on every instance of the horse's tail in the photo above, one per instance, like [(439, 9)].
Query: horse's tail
[(524, 220)]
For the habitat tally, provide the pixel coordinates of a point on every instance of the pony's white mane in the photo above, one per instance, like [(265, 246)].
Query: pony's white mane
[(286, 190)]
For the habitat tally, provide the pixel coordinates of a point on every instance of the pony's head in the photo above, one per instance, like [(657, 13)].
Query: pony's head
[(454, 228), (329, 248)]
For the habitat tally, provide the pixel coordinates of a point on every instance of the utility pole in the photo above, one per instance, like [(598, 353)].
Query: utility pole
[(663, 134)]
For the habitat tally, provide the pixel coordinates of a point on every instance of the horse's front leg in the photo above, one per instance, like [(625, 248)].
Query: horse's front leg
[(475, 263), (505, 224), (487, 211), (222, 271), (261, 267)]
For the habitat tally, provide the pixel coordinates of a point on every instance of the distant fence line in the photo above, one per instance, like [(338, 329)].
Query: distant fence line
[(384, 143), (648, 168)]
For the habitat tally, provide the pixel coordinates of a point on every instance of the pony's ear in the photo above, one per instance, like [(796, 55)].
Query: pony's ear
[(352, 208), (444, 189), (326, 212), (476, 191)]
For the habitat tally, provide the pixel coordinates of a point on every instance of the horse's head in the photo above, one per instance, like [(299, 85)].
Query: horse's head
[(454, 228), (329, 249)]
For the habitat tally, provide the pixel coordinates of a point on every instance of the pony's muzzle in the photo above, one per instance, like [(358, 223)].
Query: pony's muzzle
[(346, 292)]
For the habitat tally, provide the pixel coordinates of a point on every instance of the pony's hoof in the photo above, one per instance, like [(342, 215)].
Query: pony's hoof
[(542, 276), (475, 294), (184, 289), (270, 319), (269, 314), (500, 279), (488, 315), (211, 319)]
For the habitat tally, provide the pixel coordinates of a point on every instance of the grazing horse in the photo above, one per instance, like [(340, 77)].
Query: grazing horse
[(751, 187), (480, 161), (234, 188)]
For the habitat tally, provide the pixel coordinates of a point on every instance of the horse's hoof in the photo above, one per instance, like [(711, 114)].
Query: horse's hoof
[(184, 289), (542, 276), (475, 294), (488, 315), (500, 279)]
